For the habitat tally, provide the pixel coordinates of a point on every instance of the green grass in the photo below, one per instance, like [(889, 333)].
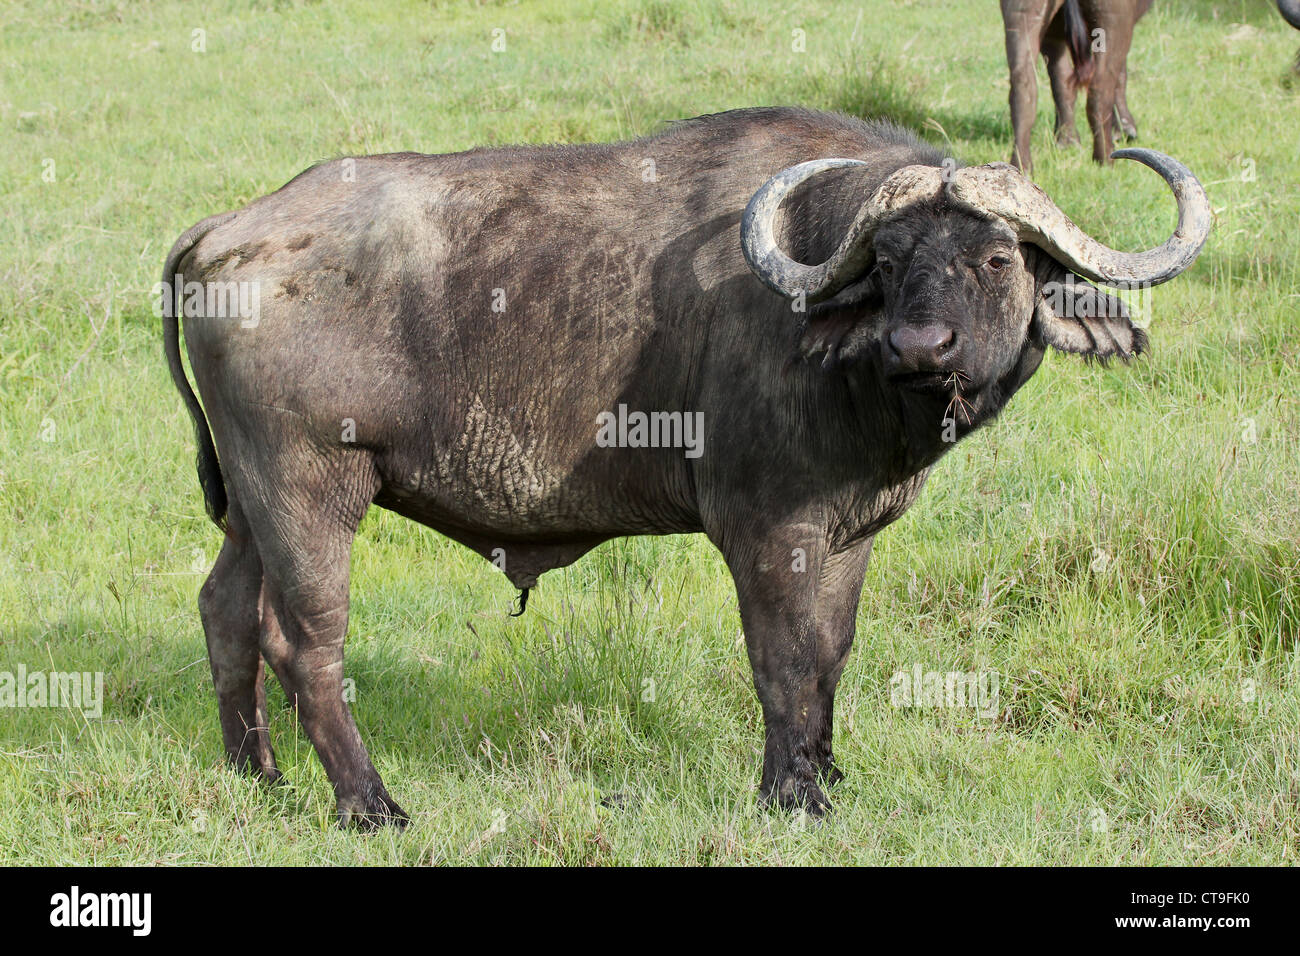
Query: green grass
[(1123, 546)]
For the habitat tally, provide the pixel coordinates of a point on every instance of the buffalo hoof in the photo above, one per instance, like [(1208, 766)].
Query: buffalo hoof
[(1066, 138), (250, 766), (831, 775), (1126, 126), (371, 813), (802, 795)]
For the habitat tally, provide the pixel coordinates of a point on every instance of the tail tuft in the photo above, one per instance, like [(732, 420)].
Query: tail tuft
[(1076, 35)]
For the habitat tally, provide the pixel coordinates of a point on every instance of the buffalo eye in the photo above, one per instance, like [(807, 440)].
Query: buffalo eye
[(997, 263), (886, 267)]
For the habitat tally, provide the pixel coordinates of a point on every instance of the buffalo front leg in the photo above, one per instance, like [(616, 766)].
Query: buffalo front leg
[(305, 541), (797, 651), (230, 609), (838, 592)]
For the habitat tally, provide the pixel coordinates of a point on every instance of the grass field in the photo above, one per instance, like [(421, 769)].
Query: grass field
[(1122, 547)]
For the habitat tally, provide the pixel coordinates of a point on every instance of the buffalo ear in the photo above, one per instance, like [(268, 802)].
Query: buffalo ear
[(1075, 316), (842, 328)]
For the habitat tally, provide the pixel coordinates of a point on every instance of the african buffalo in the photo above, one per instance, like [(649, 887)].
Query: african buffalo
[(450, 337), (1290, 10), (1085, 43)]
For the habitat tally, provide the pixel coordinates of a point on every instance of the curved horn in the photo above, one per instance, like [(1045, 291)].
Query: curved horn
[(782, 274), (999, 190), (1290, 10)]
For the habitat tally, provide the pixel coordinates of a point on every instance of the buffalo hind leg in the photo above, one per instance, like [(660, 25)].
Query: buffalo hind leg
[(1060, 71), (305, 540), (1127, 124), (1102, 93), (229, 607)]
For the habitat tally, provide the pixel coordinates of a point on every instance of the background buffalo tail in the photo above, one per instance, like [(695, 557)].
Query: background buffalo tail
[(1080, 42)]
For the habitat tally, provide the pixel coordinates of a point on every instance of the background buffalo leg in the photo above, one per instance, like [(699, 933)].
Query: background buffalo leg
[(1102, 93), (1024, 28), (1060, 70), (229, 606), (1127, 125)]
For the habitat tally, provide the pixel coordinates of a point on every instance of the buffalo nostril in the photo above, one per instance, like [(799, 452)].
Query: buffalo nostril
[(921, 346)]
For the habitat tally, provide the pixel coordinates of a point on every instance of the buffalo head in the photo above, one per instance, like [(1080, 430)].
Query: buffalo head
[(971, 273)]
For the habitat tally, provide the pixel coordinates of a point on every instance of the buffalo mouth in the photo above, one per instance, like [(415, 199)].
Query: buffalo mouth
[(927, 382)]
